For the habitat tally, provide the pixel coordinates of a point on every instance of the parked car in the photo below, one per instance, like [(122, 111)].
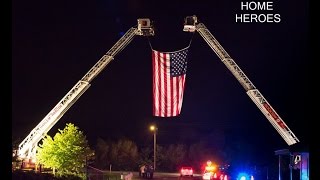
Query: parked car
[(186, 171)]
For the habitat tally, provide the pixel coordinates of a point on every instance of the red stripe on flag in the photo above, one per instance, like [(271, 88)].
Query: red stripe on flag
[(159, 84), (153, 84), (165, 85), (177, 96), (172, 98)]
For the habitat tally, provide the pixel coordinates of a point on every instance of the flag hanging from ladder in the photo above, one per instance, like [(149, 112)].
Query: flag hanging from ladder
[(169, 77)]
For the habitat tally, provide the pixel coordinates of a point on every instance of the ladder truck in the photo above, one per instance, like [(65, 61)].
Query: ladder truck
[(27, 148), (191, 24)]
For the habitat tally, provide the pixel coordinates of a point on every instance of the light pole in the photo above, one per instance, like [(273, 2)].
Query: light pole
[(154, 129)]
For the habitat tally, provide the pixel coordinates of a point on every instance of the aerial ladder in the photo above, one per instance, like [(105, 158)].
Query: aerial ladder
[(27, 148), (191, 24)]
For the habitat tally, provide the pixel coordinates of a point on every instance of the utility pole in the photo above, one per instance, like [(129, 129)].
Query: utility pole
[(154, 129)]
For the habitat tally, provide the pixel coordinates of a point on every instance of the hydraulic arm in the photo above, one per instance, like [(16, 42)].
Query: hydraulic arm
[(192, 25), (27, 148)]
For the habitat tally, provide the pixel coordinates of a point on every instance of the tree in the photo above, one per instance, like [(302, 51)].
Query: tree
[(67, 152), (124, 154), (145, 155), (102, 150), (173, 156), (198, 154)]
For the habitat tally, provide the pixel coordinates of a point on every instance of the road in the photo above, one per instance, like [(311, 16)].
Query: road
[(123, 175), (167, 176)]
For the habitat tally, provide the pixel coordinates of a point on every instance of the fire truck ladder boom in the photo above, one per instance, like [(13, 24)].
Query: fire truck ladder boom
[(27, 148), (191, 25)]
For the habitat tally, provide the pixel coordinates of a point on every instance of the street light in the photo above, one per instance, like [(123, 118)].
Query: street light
[(154, 129)]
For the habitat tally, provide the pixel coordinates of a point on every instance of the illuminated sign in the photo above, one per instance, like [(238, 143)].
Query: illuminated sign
[(274, 115)]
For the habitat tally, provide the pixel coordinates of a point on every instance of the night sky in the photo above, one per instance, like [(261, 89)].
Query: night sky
[(54, 44)]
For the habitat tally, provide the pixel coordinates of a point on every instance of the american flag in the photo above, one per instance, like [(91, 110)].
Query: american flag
[(169, 76)]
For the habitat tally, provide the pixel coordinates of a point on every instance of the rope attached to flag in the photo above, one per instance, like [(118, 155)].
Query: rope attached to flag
[(186, 47)]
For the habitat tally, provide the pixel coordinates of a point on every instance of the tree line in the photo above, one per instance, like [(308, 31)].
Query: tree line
[(68, 153)]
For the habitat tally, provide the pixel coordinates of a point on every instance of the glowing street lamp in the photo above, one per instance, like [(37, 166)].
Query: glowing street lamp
[(154, 129)]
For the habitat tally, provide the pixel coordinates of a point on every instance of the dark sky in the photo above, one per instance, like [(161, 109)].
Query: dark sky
[(54, 44)]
